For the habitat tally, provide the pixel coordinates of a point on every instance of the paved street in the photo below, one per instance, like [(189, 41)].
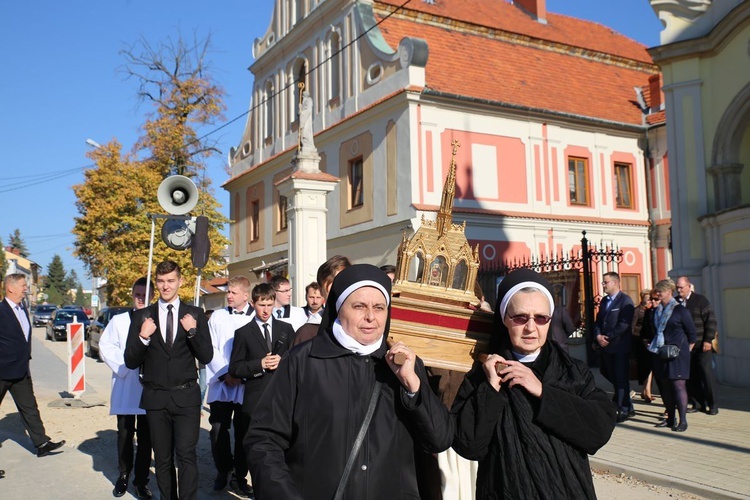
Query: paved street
[(710, 460)]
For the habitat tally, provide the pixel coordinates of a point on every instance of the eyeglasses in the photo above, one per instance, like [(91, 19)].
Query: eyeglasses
[(522, 319), (654, 299), (606, 282), (283, 291)]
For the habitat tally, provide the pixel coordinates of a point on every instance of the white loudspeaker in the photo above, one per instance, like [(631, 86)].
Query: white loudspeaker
[(177, 194)]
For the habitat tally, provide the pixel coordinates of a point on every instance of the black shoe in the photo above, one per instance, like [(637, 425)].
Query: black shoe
[(682, 427), (222, 478), (48, 447), (713, 411), (665, 423), (621, 417), (143, 492), (631, 412), (243, 490), (692, 410), (121, 485)]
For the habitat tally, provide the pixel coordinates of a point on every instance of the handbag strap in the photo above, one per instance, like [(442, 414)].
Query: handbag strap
[(358, 442)]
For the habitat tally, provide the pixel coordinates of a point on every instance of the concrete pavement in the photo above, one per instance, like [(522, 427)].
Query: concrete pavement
[(711, 459)]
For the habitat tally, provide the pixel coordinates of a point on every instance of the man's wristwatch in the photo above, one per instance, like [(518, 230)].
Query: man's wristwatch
[(191, 333)]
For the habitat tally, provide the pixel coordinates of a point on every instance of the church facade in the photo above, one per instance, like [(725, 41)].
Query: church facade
[(560, 121)]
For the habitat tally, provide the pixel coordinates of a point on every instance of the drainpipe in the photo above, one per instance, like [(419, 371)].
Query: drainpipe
[(649, 191)]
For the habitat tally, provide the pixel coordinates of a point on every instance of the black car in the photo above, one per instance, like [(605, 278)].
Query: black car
[(98, 325), (43, 313), (56, 326)]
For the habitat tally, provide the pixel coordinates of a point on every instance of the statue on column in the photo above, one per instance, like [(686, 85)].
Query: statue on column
[(305, 123)]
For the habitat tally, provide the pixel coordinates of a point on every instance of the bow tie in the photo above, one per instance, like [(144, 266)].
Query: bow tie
[(237, 311)]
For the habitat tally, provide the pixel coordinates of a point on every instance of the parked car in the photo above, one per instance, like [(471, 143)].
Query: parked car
[(43, 314), (97, 328), (56, 326)]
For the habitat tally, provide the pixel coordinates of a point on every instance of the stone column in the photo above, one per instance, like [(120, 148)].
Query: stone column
[(306, 190), (727, 185)]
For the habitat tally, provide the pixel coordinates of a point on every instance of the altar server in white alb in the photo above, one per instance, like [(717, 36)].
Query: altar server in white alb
[(225, 393), (126, 399)]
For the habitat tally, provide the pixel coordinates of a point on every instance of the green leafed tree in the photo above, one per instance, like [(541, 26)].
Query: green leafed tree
[(71, 280), (16, 243), (80, 299), (54, 284), (114, 202)]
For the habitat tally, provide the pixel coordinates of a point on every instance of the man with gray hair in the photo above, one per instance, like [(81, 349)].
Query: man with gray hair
[(15, 353)]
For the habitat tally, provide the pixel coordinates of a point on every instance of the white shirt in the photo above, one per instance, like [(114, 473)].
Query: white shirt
[(163, 318), (222, 326), (297, 317), (125, 396), (23, 320)]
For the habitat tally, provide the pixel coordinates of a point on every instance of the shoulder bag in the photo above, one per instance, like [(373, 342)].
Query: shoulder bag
[(668, 352), (358, 442)]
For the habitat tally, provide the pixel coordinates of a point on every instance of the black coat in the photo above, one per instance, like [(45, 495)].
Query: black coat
[(169, 373), (679, 331), (249, 349), (616, 323), (530, 447), (15, 350), (307, 420)]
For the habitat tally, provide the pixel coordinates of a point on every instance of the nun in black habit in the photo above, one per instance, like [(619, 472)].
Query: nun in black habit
[(307, 420), (530, 414)]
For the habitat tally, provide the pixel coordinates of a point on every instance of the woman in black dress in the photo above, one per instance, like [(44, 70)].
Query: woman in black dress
[(530, 414), (673, 325)]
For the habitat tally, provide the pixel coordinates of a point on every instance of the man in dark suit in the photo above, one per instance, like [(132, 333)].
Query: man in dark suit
[(700, 386), (258, 347), (15, 353), (164, 341), (613, 331)]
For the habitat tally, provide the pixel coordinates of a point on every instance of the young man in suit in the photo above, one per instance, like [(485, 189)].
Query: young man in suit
[(258, 348), (125, 399), (314, 307), (225, 392), (164, 342), (613, 332), (282, 308), (15, 353)]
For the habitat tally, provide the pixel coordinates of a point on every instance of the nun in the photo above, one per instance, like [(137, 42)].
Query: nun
[(341, 419), (530, 414)]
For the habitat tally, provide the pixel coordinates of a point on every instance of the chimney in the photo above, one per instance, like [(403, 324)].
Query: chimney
[(654, 88), (537, 8)]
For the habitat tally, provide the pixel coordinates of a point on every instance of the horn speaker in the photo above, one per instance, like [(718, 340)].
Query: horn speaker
[(177, 194)]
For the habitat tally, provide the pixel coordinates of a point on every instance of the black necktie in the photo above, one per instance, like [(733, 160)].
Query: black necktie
[(279, 313), (267, 335), (170, 326)]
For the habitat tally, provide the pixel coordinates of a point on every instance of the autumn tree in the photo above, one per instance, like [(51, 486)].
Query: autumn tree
[(54, 284), (17, 245), (119, 194)]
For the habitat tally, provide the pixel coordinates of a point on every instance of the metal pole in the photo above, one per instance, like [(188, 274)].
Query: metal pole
[(150, 258), (197, 287), (588, 290)]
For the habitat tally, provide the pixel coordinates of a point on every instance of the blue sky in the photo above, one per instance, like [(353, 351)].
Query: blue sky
[(60, 85)]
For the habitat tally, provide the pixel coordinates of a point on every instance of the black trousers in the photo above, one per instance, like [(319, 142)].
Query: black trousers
[(22, 390), (702, 381), (128, 427), (616, 369), (174, 436), (223, 415)]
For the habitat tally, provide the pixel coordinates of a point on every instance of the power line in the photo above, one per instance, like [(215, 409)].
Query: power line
[(15, 186)]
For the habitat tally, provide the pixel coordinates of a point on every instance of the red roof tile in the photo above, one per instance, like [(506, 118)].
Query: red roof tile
[(502, 15), (475, 65)]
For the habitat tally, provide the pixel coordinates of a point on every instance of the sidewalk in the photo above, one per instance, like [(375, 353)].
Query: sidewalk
[(711, 459)]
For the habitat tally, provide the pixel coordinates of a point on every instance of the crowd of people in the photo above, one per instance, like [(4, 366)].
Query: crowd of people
[(669, 336), (314, 402)]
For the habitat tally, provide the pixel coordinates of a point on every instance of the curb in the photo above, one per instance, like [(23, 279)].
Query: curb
[(663, 480)]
